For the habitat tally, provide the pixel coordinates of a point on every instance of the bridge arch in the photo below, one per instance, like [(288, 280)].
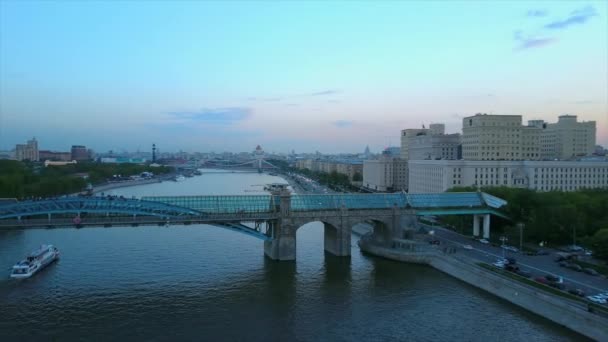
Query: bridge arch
[(336, 234)]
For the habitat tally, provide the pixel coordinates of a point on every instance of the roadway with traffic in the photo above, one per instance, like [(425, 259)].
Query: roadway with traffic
[(538, 265)]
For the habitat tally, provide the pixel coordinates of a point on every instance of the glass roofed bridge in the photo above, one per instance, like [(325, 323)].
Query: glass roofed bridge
[(273, 218)]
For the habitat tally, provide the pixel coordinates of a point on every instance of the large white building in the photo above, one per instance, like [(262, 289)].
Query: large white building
[(499, 137), (429, 176), (27, 151), (385, 174), (434, 146), (567, 138)]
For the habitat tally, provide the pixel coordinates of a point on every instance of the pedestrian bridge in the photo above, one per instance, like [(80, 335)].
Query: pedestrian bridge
[(273, 218)]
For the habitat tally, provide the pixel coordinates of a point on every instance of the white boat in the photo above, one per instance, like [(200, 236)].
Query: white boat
[(36, 261), (179, 178)]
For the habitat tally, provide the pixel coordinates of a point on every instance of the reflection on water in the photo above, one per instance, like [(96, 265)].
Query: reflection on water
[(206, 283)]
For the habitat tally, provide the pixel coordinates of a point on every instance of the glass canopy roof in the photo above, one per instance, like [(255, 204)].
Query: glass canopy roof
[(267, 203)]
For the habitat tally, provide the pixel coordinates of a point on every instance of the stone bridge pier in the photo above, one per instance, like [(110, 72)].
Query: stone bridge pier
[(387, 224)]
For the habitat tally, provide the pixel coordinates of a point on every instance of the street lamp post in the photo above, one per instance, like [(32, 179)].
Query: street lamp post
[(521, 236), (503, 239)]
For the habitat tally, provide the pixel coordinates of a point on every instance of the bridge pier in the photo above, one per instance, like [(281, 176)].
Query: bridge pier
[(283, 245), (336, 240)]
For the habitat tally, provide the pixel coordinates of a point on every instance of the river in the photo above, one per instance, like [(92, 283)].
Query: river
[(203, 283)]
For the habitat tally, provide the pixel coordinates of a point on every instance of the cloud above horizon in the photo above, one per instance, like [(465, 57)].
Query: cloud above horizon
[(579, 16), (222, 116), (325, 92), (343, 123), (529, 42), (537, 13)]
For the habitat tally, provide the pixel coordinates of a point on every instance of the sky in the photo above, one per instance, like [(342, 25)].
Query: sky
[(304, 76)]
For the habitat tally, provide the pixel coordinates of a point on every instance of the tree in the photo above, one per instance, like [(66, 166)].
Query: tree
[(599, 243)]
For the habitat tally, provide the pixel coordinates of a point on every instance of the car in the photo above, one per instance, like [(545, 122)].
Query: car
[(541, 280), (523, 273), (469, 247), (554, 279), (596, 299), (559, 286), (435, 242), (542, 252), (511, 261), (511, 267), (575, 267), (575, 248), (499, 264), (588, 252), (512, 249), (563, 264), (603, 295), (484, 241), (590, 271), (577, 292)]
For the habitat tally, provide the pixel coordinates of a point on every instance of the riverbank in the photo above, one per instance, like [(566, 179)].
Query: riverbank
[(124, 184), (571, 314)]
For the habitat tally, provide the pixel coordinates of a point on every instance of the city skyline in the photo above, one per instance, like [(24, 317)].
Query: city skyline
[(305, 76)]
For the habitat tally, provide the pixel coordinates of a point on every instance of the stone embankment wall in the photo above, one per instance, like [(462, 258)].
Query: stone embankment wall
[(568, 313), (115, 185)]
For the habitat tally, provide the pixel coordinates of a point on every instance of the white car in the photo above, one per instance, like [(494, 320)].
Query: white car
[(469, 247), (484, 241), (602, 295), (596, 299)]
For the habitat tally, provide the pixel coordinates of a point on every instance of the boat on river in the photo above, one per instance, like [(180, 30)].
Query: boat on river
[(34, 262)]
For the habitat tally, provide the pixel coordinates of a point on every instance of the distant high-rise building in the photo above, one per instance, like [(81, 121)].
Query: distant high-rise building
[(566, 138), (79, 153), (499, 137), (55, 156), (27, 151)]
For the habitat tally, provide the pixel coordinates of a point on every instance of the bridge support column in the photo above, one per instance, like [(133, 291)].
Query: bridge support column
[(476, 225), (337, 239), (283, 245), (486, 226)]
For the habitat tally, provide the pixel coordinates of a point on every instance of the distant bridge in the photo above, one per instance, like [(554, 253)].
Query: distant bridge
[(273, 218), (254, 164)]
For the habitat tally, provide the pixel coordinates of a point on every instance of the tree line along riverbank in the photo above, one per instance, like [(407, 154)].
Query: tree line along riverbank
[(29, 179), (556, 218)]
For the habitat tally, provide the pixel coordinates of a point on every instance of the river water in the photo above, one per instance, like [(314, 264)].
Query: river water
[(203, 283)]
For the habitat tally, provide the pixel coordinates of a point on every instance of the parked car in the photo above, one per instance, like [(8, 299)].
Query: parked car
[(523, 273), (577, 292), (596, 299), (541, 280), (590, 271), (575, 267)]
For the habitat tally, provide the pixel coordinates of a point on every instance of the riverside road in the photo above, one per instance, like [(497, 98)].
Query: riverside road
[(539, 265)]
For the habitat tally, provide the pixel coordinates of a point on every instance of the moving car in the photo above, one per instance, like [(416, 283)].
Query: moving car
[(523, 273), (469, 247), (596, 299), (577, 292)]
